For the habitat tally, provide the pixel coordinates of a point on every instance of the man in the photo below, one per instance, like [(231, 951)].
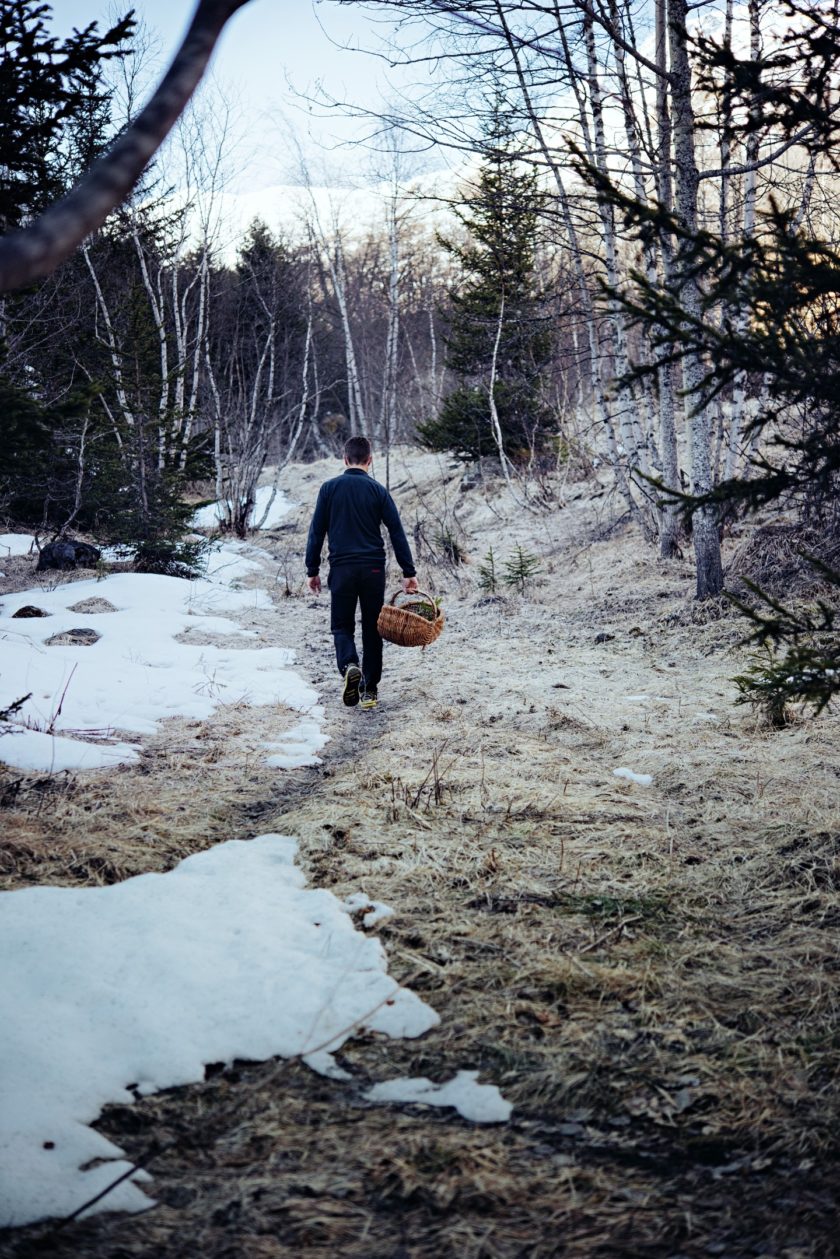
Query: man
[(351, 509)]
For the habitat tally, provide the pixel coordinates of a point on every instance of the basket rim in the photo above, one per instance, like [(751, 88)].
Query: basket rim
[(409, 594), (393, 610)]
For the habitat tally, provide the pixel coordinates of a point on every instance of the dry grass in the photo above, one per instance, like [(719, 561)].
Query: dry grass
[(198, 783), (773, 558), (650, 975)]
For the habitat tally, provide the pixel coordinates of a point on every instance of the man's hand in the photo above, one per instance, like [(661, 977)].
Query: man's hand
[(410, 585), (314, 584)]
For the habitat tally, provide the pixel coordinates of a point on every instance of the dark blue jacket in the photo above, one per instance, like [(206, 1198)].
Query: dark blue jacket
[(352, 508)]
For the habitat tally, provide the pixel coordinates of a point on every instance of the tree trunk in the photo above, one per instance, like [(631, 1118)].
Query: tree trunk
[(706, 539), (669, 523), (602, 409), (739, 392), (628, 423)]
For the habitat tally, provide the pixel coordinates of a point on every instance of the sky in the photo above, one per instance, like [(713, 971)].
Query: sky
[(269, 51)]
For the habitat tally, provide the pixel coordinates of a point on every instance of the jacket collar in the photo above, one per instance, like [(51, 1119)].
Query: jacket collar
[(355, 472)]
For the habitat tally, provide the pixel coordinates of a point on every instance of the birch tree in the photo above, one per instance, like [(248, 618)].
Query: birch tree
[(536, 39)]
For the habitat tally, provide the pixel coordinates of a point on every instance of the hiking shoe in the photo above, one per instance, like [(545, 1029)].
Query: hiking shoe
[(352, 679), (368, 699)]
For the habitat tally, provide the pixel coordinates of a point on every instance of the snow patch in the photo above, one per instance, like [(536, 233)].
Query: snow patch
[(16, 543), (138, 673), (297, 747), (482, 1103), (230, 563), (114, 991), (34, 751), (644, 780), (375, 911), (211, 516)]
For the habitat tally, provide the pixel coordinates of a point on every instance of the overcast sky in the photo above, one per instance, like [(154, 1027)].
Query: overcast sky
[(268, 49)]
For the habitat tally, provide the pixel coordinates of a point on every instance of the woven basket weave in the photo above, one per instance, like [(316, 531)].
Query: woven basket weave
[(407, 628)]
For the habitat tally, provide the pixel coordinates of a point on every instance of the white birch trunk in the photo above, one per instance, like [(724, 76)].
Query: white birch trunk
[(389, 384), (201, 335), (602, 409), (669, 524), (739, 391), (111, 342), (632, 136), (298, 428), (706, 540), (629, 426), (357, 417), (154, 295)]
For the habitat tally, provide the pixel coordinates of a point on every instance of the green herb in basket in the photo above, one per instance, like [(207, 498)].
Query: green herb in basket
[(428, 611)]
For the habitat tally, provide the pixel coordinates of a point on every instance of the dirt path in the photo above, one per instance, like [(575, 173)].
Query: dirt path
[(647, 971)]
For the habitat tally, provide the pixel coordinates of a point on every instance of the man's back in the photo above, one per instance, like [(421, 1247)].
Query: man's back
[(352, 508)]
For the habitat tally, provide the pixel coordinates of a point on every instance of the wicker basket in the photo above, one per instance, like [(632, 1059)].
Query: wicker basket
[(407, 628)]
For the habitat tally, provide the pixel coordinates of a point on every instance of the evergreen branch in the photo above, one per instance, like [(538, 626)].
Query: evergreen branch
[(36, 250)]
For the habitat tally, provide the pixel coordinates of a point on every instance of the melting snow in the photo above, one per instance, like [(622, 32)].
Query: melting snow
[(297, 747), (211, 516), (482, 1103), (643, 779), (137, 674), (114, 991), (375, 911), (16, 543)]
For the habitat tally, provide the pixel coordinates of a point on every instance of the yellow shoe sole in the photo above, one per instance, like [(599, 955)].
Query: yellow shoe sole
[(352, 679)]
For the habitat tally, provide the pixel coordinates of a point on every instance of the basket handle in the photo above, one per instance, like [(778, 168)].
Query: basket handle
[(412, 594)]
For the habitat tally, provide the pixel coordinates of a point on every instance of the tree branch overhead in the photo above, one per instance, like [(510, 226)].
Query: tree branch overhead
[(36, 250)]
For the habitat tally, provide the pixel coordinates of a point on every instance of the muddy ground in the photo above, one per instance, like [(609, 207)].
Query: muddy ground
[(648, 972)]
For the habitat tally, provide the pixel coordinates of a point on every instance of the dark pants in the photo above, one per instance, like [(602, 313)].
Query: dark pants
[(363, 584)]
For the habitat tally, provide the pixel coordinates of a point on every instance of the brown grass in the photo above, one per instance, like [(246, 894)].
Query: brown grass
[(649, 974), (774, 558), (198, 783)]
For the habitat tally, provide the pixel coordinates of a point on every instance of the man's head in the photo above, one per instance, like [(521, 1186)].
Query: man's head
[(357, 452)]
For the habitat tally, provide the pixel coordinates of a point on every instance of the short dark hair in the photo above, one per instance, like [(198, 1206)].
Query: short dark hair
[(357, 450)]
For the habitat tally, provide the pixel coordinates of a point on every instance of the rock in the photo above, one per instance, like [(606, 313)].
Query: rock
[(66, 555), (29, 609), (74, 638), (604, 637)]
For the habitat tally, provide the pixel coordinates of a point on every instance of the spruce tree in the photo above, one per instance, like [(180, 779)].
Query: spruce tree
[(48, 88), (498, 280), (488, 577), (521, 568), (799, 656), (54, 121), (269, 289)]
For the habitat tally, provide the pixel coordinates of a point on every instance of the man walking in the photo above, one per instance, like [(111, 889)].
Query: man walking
[(351, 509)]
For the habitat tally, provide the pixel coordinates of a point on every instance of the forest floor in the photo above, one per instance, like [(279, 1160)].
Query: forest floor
[(648, 972)]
